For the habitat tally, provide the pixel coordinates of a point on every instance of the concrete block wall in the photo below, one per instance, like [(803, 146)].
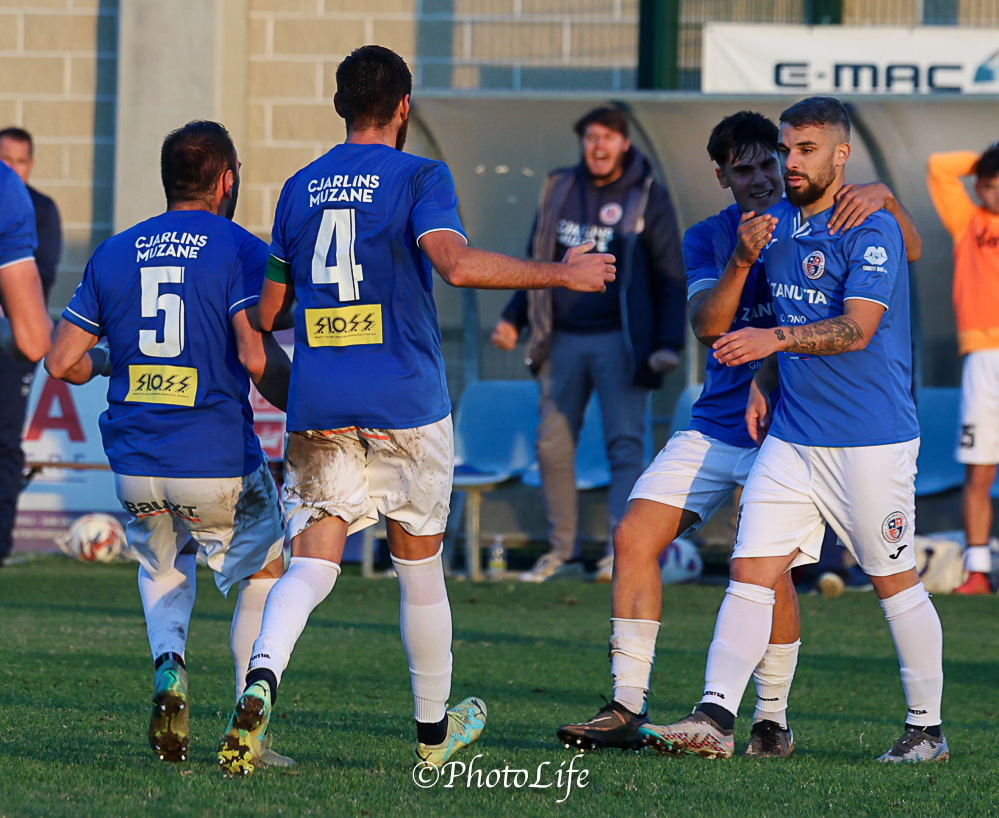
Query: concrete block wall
[(57, 80)]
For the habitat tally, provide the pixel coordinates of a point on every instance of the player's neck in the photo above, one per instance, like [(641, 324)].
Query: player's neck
[(192, 205), (373, 136)]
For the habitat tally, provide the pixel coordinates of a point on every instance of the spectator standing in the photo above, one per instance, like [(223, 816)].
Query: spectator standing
[(619, 343), (16, 373), (974, 228)]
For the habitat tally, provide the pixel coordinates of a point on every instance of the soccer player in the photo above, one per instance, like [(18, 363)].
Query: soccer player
[(171, 295), (369, 425), (974, 229), (25, 328), (699, 469), (842, 446)]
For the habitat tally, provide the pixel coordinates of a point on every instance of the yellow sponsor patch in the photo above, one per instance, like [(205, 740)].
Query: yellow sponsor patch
[(345, 326), (176, 385)]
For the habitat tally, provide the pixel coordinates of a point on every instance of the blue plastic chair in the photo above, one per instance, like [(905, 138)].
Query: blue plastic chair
[(938, 409), (592, 467), (494, 429)]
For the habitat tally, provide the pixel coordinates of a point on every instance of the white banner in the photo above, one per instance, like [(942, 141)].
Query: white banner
[(803, 60)]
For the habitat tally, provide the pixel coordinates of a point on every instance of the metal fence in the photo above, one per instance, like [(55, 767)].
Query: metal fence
[(593, 44)]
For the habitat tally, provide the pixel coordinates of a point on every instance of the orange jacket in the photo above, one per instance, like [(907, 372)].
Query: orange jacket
[(975, 232)]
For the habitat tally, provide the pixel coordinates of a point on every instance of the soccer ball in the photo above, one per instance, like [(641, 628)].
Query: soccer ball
[(94, 538), (681, 562)]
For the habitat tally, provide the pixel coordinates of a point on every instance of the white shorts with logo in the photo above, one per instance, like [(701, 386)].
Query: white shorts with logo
[(235, 521), (978, 442), (865, 493), (695, 472), (356, 474)]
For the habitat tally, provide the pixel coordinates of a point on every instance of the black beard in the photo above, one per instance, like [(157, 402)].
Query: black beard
[(400, 138), (809, 194), (230, 210)]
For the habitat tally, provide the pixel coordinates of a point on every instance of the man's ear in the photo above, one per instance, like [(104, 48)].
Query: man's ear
[(336, 105), (842, 153), (721, 178), (228, 180), (404, 108)]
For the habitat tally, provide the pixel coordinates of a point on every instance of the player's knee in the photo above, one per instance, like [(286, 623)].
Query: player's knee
[(632, 543)]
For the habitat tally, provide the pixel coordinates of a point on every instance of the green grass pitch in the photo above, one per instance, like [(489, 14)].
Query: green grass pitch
[(75, 680)]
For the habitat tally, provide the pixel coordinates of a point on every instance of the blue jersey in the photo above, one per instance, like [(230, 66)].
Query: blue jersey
[(720, 412), (367, 340), (164, 293), (17, 219), (860, 398)]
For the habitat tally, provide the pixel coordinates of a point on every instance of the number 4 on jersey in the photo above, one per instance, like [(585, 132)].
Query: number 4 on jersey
[(347, 273)]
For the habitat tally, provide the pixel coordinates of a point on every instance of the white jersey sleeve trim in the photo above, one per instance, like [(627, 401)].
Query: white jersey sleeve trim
[(700, 286), (83, 318), (863, 298), (17, 261), (233, 307), (438, 230)]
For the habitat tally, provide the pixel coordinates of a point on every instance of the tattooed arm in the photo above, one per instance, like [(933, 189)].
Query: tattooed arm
[(849, 332)]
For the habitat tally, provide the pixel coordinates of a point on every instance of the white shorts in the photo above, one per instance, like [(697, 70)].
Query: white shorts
[(355, 474), (695, 472), (236, 522), (978, 442), (865, 493)]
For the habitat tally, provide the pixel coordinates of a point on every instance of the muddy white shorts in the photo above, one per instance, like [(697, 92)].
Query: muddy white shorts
[(235, 522), (695, 472), (865, 493), (978, 442), (356, 474)]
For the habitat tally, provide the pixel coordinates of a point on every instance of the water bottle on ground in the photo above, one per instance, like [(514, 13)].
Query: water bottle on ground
[(497, 560)]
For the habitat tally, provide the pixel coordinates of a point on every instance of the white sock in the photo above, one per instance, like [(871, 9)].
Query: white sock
[(632, 652), (978, 558), (915, 627), (306, 583), (773, 682), (246, 619), (425, 622), (741, 636), (167, 603)]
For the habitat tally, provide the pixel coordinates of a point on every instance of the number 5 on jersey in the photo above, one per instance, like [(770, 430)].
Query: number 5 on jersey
[(338, 225)]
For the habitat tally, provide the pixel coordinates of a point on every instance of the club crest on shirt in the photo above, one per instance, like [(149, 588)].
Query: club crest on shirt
[(814, 264), (893, 528), (611, 213)]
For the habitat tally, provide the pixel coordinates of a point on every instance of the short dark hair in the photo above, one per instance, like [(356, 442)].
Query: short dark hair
[(370, 84), (819, 112), (733, 137), (613, 118), (19, 135), (987, 166), (193, 158)]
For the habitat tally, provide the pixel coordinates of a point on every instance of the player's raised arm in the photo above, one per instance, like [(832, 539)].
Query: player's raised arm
[(464, 266), (849, 332), (854, 203), (273, 309), (26, 331), (712, 311), (264, 360), (75, 356)]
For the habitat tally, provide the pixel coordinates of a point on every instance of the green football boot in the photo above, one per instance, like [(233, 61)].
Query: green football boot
[(465, 723), (169, 728), (244, 739)]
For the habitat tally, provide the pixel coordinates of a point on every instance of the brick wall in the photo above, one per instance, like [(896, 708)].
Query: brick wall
[(57, 80), (294, 47)]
